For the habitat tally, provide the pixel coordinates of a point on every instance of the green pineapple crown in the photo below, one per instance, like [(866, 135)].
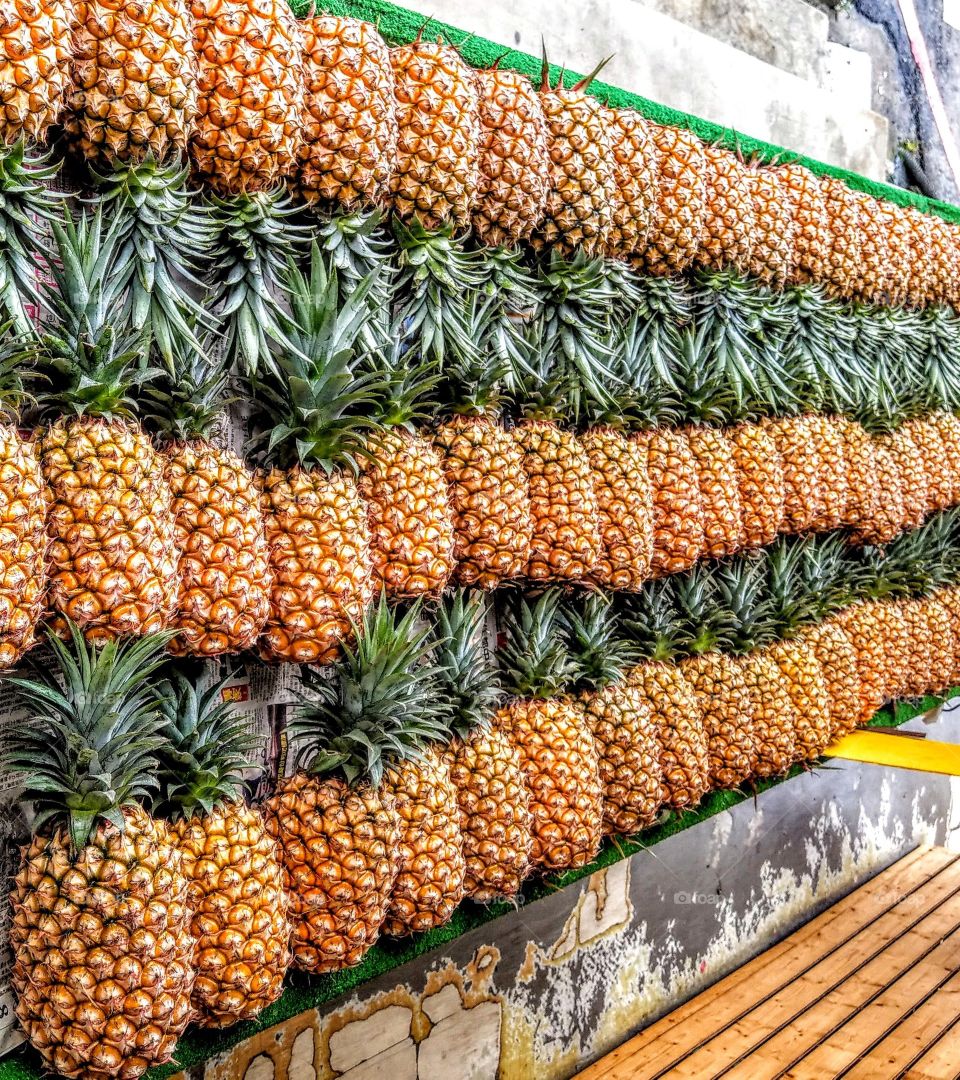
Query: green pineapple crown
[(318, 406), (704, 623), (650, 620), (915, 562), (91, 361), (533, 657), (467, 672), (742, 587), (940, 375), (384, 705), (206, 748), (88, 746), (600, 656), (188, 400), (163, 233), (17, 355)]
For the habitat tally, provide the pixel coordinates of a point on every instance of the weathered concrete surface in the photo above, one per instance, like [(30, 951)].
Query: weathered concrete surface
[(540, 992), (670, 62)]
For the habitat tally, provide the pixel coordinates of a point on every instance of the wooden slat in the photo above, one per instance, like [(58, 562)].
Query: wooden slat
[(860, 980), (940, 1062), (896, 940), (909, 1040), (698, 1019)]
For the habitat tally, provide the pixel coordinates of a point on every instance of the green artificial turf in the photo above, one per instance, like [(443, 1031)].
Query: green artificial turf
[(399, 26), (305, 992)]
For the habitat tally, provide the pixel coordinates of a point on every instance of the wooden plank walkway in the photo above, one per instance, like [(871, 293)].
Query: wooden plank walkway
[(869, 990)]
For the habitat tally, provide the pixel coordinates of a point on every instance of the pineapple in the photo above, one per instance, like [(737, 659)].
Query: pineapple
[(810, 237), (557, 750), (23, 514), (903, 449), (743, 603), (898, 240), (635, 183), (336, 823), (113, 559), (886, 518), (678, 218), (348, 141), (134, 77), (236, 893), (878, 264), (34, 69), (925, 435), (513, 181), (775, 207), (760, 483), (101, 933), (842, 262), (224, 567), (717, 680), (919, 268), (865, 624), (946, 262), (438, 148), (729, 221), (318, 540), (582, 179), (486, 767), (250, 93), (828, 440), (862, 481), (920, 654), (678, 512), (621, 720), (800, 456), (941, 639), (718, 481)]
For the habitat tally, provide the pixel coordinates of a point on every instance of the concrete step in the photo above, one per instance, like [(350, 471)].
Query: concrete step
[(665, 60), (789, 34)]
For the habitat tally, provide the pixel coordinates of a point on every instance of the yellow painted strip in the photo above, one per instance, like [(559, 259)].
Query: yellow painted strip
[(878, 748)]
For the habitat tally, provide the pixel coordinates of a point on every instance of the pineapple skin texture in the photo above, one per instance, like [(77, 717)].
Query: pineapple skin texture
[(495, 820), (103, 950), (23, 553), (429, 884), (678, 535), (319, 550), (773, 712), (483, 466), (113, 560), (340, 852), (134, 80), (34, 67), (561, 768), (349, 132), (238, 907), (410, 517), (225, 576), (720, 688)]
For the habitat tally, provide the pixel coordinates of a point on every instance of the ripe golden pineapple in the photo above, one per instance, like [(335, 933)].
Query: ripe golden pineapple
[(829, 444), (717, 478), (775, 208), (618, 715), (720, 687), (760, 483), (438, 147), (563, 503), (250, 93), (236, 894), (483, 465), (919, 652), (101, 936), (841, 675), (948, 425), (946, 262), (804, 681), (133, 80), (23, 520), (582, 182), (949, 653), (224, 566), (486, 768), (35, 42), (864, 623), (316, 524), (678, 524), (774, 715), (942, 641), (621, 485), (514, 164), (729, 221), (878, 266), (925, 434), (862, 481), (810, 237), (684, 753), (635, 183), (842, 262), (678, 218), (337, 825), (429, 884), (557, 750), (885, 519), (903, 449), (803, 496), (919, 269), (348, 139)]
